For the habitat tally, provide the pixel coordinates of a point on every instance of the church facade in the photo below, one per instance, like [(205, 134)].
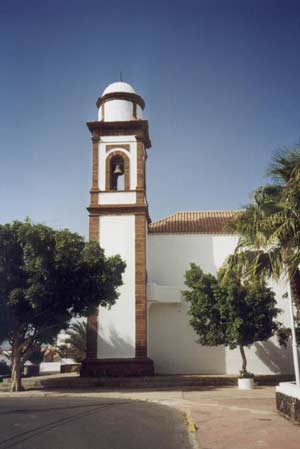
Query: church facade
[(148, 328)]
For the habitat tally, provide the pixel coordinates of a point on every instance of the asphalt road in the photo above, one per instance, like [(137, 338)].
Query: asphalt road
[(83, 423)]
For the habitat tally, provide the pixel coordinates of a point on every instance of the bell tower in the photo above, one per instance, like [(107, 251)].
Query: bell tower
[(118, 217)]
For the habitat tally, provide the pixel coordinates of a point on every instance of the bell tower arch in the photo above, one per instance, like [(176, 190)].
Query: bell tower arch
[(117, 171), (118, 217)]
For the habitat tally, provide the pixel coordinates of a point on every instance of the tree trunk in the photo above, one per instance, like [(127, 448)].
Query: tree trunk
[(16, 365), (242, 351)]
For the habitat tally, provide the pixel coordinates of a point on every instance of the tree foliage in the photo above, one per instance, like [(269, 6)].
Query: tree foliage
[(229, 313), (269, 227), (46, 278)]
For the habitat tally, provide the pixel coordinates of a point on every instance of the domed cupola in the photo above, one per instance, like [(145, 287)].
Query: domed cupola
[(119, 102)]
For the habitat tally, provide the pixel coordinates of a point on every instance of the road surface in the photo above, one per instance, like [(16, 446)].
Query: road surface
[(89, 423)]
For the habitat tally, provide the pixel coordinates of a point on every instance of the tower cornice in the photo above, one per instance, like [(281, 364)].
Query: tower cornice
[(128, 96), (118, 209), (138, 128)]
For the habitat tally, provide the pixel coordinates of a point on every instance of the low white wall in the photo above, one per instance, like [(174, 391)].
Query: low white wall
[(172, 342), (289, 389), (50, 367)]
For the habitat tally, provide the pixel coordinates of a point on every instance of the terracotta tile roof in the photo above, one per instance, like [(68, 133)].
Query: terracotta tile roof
[(202, 222)]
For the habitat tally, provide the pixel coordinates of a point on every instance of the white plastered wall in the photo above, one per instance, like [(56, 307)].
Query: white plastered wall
[(172, 342), (117, 326), (116, 110), (117, 197), (139, 112)]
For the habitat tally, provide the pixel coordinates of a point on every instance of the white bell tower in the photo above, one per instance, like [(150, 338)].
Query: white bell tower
[(118, 217)]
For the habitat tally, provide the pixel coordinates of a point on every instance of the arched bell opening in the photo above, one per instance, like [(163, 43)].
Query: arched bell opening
[(117, 179), (117, 172)]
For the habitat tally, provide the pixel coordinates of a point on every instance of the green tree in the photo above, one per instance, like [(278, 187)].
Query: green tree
[(75, 345), (48, 277), (229, 313)]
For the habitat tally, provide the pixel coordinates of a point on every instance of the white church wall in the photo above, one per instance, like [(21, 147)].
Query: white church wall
[(163, 293), (267, 357), (169, 255), (117, 326), (172, 342), (133, 165)]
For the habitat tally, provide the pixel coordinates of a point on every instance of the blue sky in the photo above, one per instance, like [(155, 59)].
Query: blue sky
[(221, 81)]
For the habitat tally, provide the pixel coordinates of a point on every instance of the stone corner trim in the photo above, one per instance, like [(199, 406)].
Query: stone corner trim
[(288, 406)]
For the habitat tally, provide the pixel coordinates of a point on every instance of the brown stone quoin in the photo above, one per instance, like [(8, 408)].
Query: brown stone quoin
[(95, 171), (92, 319), (140, 286)]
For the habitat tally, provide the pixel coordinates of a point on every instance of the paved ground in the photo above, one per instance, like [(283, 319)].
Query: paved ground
[(233, 419), (227, 418), (88, 423)]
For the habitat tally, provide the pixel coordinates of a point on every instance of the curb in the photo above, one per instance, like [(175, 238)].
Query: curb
[(192, 430), (191, 423), (185, 410)]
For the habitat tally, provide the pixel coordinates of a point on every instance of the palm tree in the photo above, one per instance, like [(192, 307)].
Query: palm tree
[(75, 344), (285, 171), (269, 229)]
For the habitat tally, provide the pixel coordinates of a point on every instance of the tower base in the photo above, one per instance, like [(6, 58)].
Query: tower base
[(139, 366)]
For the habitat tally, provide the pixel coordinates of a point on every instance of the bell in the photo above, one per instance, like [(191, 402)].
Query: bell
[(118, 169)]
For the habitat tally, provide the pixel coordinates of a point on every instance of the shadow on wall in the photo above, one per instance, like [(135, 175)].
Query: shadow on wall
[(173, 344), (172, 341), (277, 358), (117, 347)]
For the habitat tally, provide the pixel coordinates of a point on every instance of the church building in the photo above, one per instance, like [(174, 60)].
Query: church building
[(148, 328)]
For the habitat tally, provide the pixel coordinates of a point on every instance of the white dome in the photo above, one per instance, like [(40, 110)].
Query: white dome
[(118, 87)]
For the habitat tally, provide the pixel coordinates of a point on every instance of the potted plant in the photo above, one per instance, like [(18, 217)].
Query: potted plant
[(246, 380)]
